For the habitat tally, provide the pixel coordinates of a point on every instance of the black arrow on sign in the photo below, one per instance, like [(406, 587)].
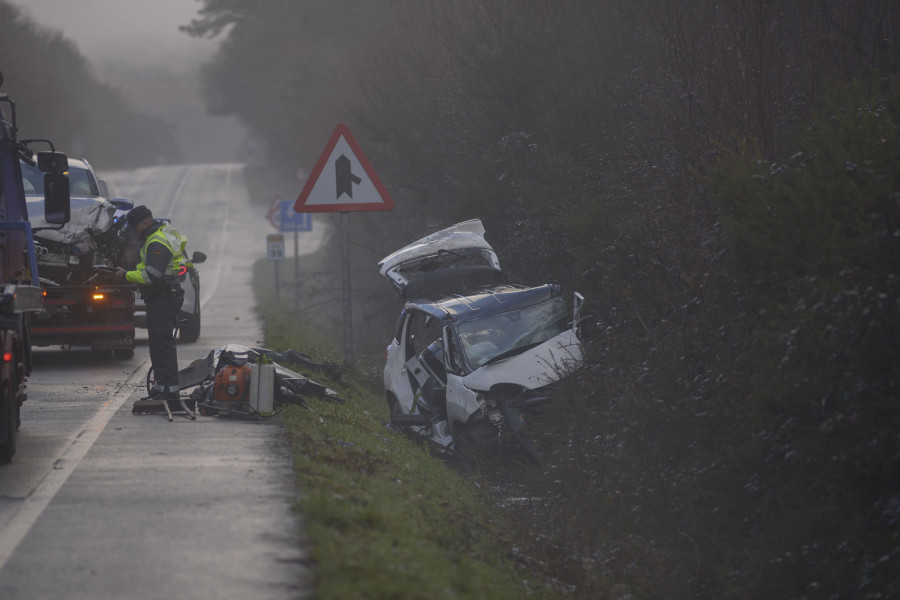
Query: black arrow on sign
[(344, 179)]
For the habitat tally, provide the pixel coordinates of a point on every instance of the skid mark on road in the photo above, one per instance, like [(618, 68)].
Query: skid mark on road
[(32, 507)]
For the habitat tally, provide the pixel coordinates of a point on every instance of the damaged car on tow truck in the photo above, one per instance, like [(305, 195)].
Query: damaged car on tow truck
[(473, 356)]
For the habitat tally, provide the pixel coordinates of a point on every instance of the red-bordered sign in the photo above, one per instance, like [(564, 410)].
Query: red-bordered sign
[(343, 180), (273, 215)]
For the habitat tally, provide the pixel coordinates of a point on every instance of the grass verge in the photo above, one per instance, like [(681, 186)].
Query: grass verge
[(385, 518)]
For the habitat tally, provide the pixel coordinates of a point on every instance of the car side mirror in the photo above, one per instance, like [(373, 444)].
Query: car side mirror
[(57, 204), (52, 162), (198, 257), (122, 203)]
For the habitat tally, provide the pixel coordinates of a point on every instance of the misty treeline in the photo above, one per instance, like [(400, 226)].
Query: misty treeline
[(721, 180), (58, 97)]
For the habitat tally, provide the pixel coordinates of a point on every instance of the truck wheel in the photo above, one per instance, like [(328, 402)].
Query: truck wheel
[(190, 331), (9, 421)]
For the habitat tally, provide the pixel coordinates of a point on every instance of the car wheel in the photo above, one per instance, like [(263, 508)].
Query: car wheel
[(124, 354), (393, 407)]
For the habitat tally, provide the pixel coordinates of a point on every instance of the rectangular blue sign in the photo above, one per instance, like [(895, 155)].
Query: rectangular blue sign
[(294, 221)]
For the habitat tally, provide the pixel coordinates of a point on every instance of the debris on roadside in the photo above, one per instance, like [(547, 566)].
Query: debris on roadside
[(238, 380)]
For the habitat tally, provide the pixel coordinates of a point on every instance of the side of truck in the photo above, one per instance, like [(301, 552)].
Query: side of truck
[(21, 293)]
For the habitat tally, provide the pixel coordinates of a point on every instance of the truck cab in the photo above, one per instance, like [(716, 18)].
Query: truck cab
[(21, 294)]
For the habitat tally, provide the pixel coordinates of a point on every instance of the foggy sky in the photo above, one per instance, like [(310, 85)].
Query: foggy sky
[(138, 32), (136, 47)]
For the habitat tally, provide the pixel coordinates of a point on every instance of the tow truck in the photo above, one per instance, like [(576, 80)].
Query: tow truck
[(83, 306), (21, 293)]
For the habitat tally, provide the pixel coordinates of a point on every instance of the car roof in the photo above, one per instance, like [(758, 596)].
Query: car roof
[(486, 302), (80, 163)]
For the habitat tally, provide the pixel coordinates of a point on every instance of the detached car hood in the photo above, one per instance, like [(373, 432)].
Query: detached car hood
[(88, 214), (452, 260), (531, 369)]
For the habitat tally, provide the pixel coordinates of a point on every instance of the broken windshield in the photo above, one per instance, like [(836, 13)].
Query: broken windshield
[(510, 333)]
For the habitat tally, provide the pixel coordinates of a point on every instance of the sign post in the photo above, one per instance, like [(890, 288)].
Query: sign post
[(275, 252), (290, 220), (343, 181)]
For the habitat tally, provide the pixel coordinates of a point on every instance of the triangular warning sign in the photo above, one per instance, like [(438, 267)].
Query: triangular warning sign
[(343, 180)]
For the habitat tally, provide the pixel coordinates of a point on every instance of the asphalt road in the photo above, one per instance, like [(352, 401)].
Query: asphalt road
[(99, 503)]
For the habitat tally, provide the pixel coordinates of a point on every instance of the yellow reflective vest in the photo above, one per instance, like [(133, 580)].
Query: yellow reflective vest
[(175, 242)]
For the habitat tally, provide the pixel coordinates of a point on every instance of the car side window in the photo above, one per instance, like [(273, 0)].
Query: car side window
[(409, 342), (32, 179), (421, 331), (80, 183), (433, 359)]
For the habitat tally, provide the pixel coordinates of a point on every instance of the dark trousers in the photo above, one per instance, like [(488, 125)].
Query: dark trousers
[(162, 311)]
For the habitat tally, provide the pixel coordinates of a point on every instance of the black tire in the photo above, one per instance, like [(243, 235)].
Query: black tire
[(393, 406), (26, 336), (9, 420), (125, 354)]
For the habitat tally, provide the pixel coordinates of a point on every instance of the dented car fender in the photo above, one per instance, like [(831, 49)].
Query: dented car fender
[(462, 401), (533, 368)]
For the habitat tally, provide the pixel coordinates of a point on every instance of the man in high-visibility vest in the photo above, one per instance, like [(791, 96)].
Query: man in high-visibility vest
[(158, 276)]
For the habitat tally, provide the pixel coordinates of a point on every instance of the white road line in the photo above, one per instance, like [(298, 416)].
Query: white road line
[(209, 290), (32, 507), (177, 195)]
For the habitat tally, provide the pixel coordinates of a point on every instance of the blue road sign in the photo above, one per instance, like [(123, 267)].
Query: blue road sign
[(294, 221)]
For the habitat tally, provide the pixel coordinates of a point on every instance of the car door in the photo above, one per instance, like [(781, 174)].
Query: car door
[(421, 332), (396, 380)]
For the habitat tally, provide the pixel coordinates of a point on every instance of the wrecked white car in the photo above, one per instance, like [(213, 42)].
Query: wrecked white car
[(471, 354), (69, 254)]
